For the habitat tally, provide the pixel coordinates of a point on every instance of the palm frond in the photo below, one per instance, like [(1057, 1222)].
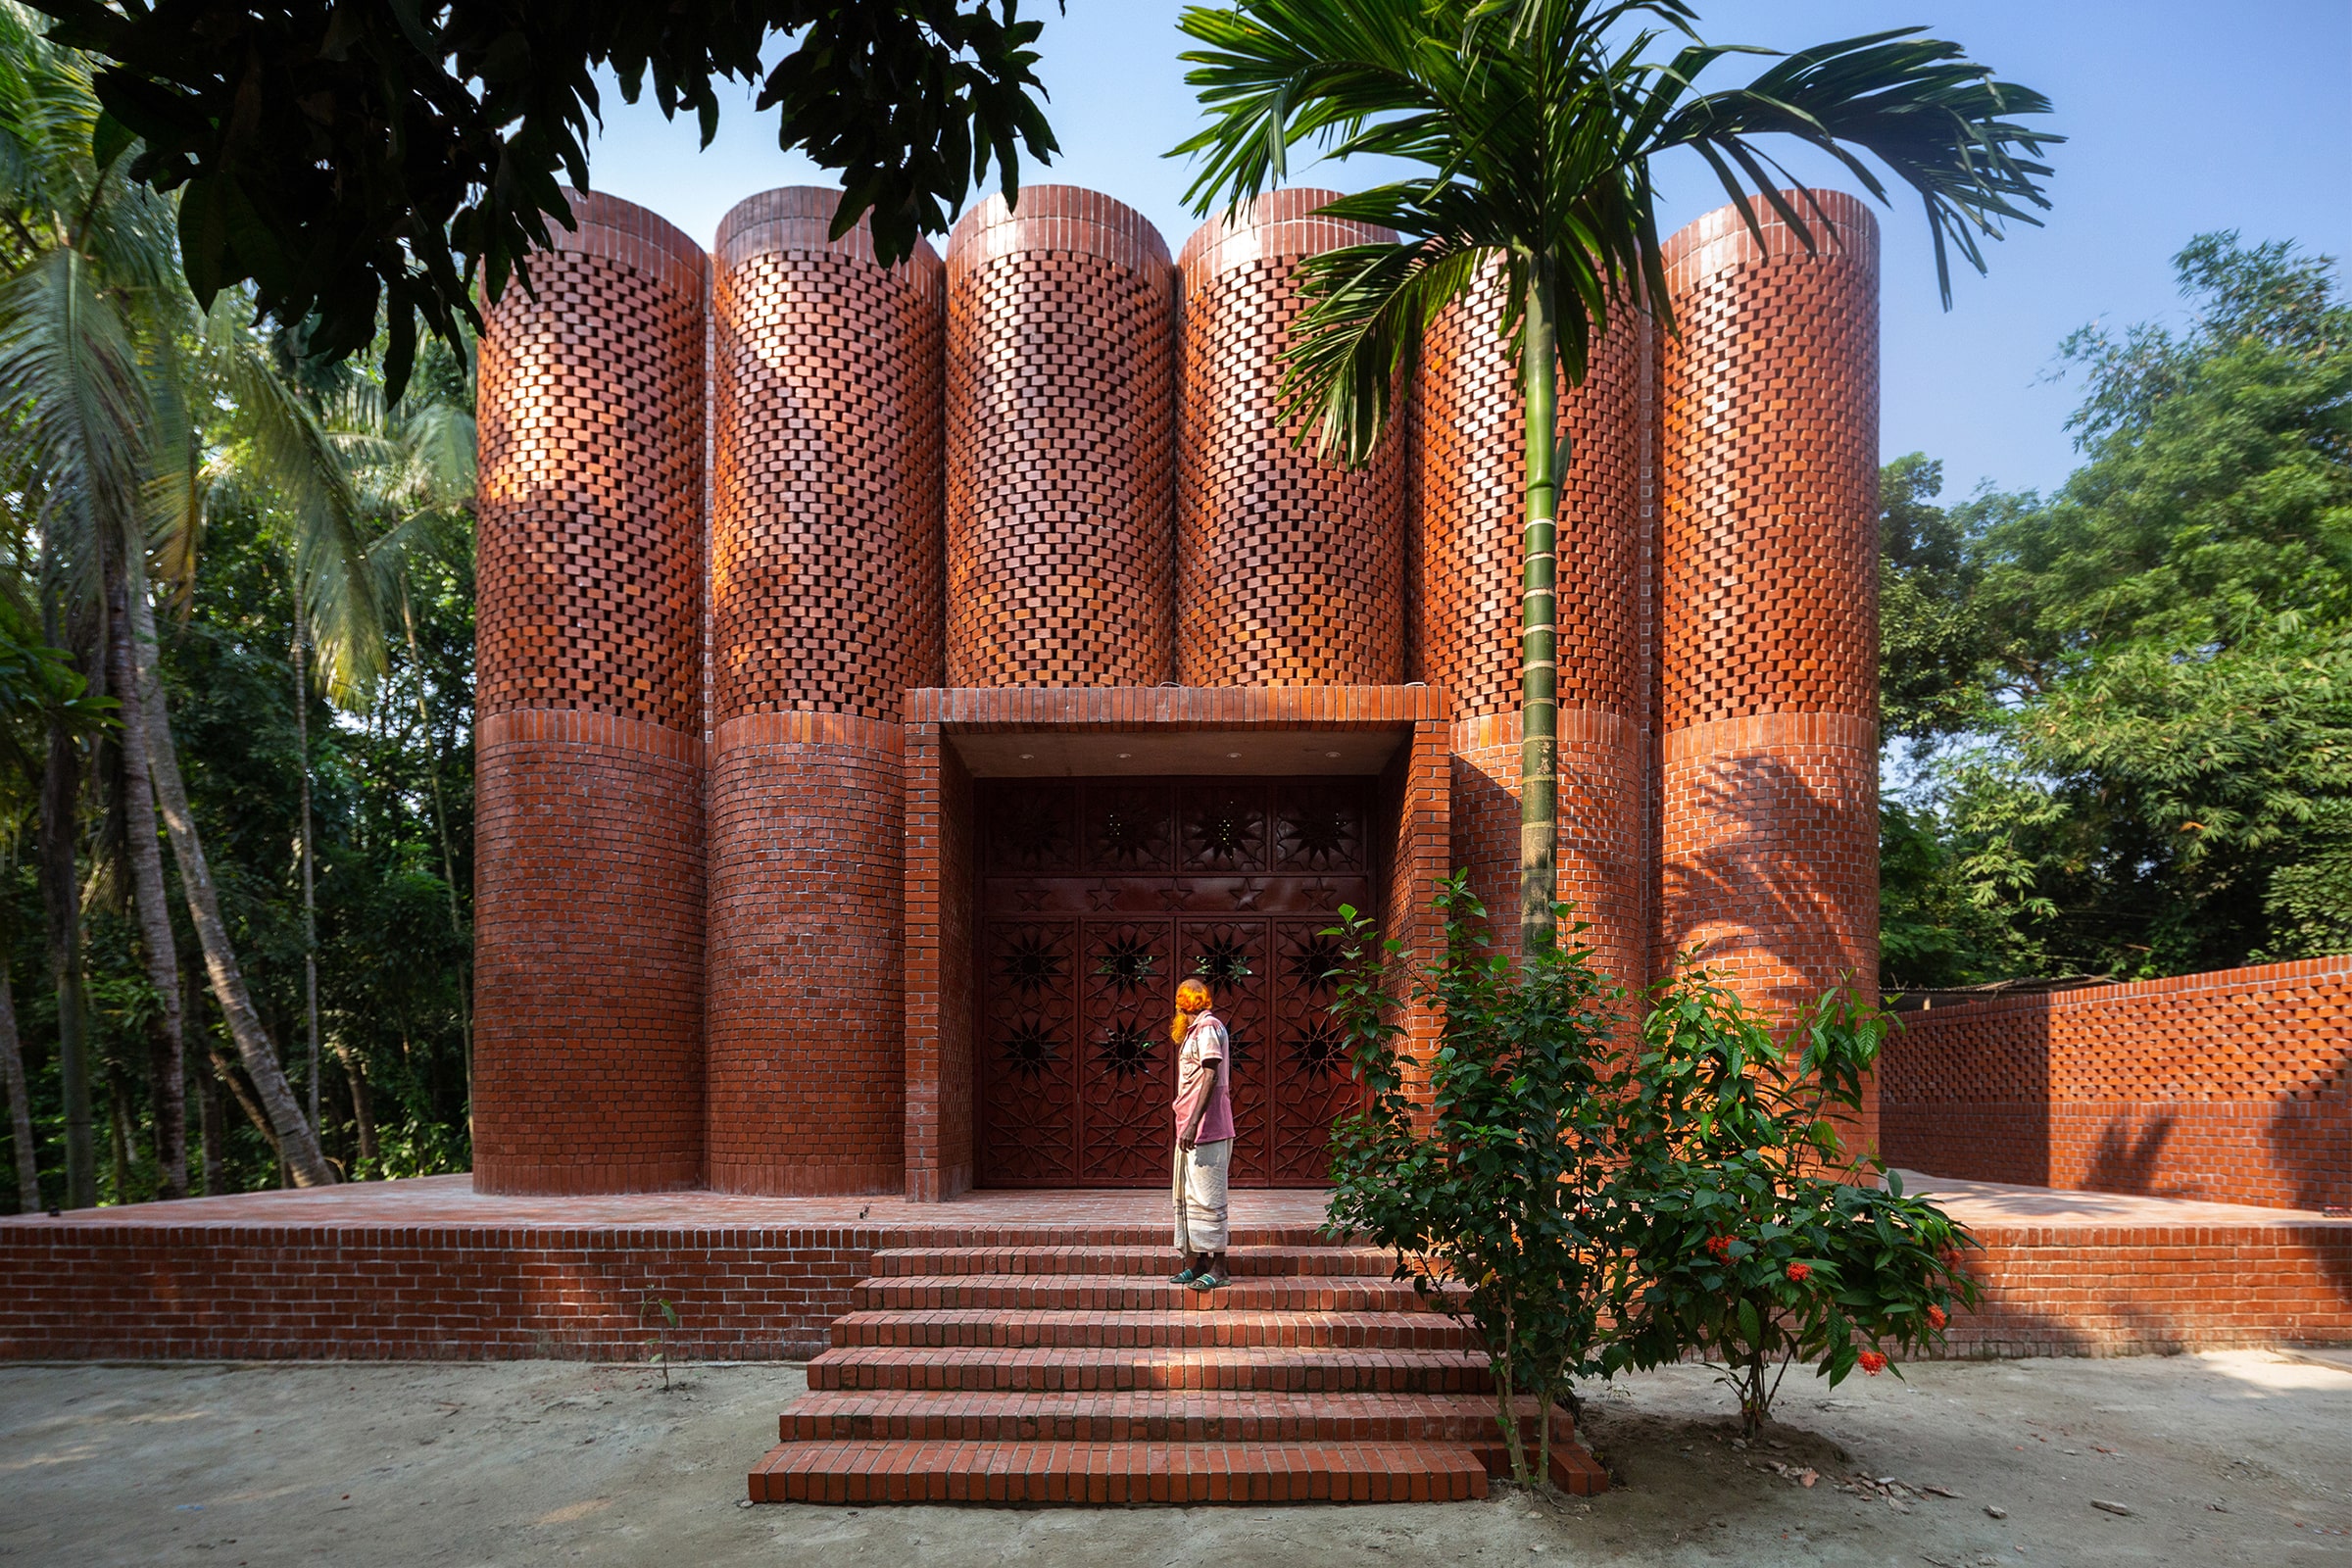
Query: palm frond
[(1359, 338)]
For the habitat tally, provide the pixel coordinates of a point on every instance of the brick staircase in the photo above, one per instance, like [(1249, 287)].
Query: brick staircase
[(1065, 1369)]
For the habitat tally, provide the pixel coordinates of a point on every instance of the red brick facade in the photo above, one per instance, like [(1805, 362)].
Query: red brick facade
[(2233, 1087), (1290, 571), (1051, 461), (589, 954), (1768, 671)]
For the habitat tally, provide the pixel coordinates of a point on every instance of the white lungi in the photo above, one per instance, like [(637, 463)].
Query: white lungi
[(1199, 1193)]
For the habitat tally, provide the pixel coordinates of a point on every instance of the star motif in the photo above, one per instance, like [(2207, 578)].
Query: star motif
[(1172, 898), (1029, 896), (1246, 896), (1102, 896), (1320, 892)]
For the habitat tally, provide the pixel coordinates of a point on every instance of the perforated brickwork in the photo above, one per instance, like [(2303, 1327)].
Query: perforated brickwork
[(1768, 789), (1473, 478), (591, 474), (1060, 444), (1770, 411), (1289, 570), (806, 1011), (588, 956), (2233, 1086), (826, 545)]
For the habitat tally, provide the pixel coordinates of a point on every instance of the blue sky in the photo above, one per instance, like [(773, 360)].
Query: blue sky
[(2181, 118)]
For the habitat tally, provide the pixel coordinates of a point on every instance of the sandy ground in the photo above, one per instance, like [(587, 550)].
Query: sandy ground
[(2241, 1459)]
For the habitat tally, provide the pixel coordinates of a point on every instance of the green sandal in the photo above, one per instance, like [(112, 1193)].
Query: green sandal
[(1191, 1272), (1213, 1280)]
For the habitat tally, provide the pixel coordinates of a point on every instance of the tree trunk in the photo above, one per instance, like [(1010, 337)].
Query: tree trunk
[(362, 1107), (60, 901), (209, 1113), (310, 893), (448, 859), (1538, 686), (20, 1101), (165, 1036), (225, 1072), (297, 1143), (118, 1122)]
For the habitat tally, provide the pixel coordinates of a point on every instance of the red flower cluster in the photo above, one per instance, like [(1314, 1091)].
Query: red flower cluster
[(1799, 1271), (1873, 1362), (1720, 1247), (1936, 1318)]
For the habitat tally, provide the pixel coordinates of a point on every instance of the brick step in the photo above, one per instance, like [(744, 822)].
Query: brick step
[(1185, 1330), (1098, 1473), (1296, 1260), (1131, 1292), (1155, 1232), (1144, 1417), (1069, 1369)]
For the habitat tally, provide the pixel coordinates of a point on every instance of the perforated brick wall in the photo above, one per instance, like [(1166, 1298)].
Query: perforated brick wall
[(1061, 405), (589, 822), (1768, 801), (2233, 1087), (827, 543), (1289, 570), (1472, 480)]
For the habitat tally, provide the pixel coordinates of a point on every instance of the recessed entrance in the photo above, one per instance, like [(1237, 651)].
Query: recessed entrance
[(1096, 897)]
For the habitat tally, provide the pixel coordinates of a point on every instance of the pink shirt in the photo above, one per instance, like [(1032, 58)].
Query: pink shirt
[(1202, 1071)]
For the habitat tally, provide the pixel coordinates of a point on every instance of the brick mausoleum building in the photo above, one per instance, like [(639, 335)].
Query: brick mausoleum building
[(892, 681)]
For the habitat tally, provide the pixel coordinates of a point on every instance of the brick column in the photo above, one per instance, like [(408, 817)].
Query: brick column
[(826, 596), (1472, 476), (588, 985), (1290, 571), (1769, 660), (1060, 444)]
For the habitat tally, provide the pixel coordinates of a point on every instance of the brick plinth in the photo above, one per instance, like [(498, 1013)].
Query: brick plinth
[(1289, 570), (805, 1066), (2233, 1086), (588, 913), (1767, 820), (1060, 444), (1472, 475)]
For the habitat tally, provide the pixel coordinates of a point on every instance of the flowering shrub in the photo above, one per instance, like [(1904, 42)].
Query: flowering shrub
[(1495, 1202), (1746, 1232)]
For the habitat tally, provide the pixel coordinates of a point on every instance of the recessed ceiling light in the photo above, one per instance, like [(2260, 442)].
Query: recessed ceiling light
[(1028, 756), (1236, 756), (1123, 755), (1330, 754)]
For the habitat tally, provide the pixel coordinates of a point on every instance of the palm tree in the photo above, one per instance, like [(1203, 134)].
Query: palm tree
[(95, 391), (1533, 124)]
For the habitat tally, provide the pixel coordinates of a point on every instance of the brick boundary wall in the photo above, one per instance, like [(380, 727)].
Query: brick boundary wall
[(457, 1292), (2233, 1086)]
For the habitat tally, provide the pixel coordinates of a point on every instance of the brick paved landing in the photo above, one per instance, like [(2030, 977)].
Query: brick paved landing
[(1074, 1373)]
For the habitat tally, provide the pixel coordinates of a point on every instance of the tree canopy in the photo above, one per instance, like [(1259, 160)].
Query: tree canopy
[(2130, 704), (355, 163)]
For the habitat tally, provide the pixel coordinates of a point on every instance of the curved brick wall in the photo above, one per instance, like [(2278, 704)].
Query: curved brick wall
[(1288, 571), (589, 824), (1060, 444), (826, 569), (1472, 473), (1769, 650)]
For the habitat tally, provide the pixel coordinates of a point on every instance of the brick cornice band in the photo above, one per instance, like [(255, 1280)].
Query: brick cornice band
[(627, 235), (1056, 218), (1722, 240), (799, 219), (1767, 732), (580, 726), (1575, 727), (1181, 707), (808, 729), (1281, 222)]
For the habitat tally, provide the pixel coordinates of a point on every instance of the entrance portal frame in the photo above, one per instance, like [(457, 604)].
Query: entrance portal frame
[(954, 734)]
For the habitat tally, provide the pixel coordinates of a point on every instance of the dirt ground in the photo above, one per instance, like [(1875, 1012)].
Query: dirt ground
[(2241, 1459)]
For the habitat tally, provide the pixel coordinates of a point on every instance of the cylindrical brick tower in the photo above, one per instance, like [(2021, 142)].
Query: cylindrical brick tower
[(1060, 444), (1473, 472), (826, 608), (1290, 571), (588, 916), (1768, 577)]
